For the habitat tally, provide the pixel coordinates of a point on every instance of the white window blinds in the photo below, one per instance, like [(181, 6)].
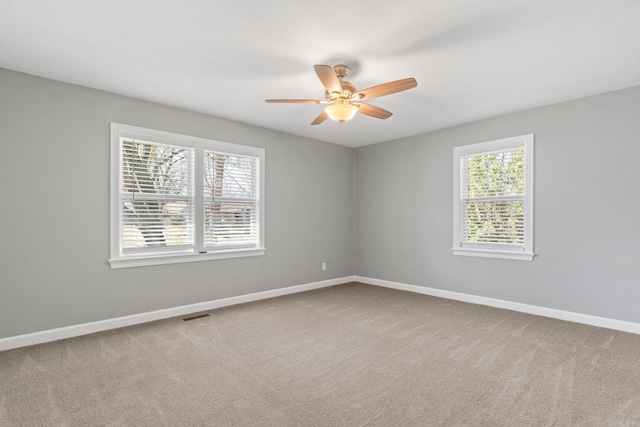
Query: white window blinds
[(157, 197), (231, 200), (492, 197)]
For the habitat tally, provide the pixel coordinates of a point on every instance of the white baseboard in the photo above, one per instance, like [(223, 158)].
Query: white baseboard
[(586, 319), (119, 322)]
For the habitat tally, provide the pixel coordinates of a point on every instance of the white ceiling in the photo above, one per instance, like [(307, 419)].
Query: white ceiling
[(472, 59)]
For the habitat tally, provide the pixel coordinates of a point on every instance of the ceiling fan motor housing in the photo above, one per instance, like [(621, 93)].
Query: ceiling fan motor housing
[(348, 89)]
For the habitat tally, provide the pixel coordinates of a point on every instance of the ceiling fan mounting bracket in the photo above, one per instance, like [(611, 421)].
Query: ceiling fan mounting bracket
[(341, 70)]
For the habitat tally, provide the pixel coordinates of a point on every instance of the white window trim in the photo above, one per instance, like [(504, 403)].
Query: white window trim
[(117, 258), (488, 250)]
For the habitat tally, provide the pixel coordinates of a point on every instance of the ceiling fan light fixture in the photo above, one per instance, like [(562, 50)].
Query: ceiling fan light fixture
[(341, 111)]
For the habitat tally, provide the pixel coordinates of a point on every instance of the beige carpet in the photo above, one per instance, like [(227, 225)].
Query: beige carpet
[(349, 355)]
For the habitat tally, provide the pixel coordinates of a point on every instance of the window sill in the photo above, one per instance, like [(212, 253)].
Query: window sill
[(494, 253), (161, 259)]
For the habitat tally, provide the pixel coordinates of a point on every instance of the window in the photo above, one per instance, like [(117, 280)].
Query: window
[(176, 198), (493, 199)]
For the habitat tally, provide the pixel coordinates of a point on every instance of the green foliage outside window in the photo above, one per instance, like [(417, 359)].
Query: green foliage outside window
[(495, 198)]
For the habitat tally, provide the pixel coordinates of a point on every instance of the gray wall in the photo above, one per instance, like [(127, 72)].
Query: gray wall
[(54, 210), (587, 206)]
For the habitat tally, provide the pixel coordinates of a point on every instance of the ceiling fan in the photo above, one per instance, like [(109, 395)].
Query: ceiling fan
[(344, 100)]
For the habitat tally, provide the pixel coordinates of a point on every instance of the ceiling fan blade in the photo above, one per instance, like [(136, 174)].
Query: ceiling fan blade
[(387, 88), (294, 101), (373, 111), (328, 78), (321, 118)]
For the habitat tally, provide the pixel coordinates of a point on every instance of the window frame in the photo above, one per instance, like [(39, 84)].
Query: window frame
[(119, 259), (524, 252)]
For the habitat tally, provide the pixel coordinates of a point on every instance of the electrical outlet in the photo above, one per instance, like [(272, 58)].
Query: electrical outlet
[(324, 266)]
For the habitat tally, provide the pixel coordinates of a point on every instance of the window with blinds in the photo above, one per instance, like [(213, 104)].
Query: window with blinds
[(177, 198), (493, 203)]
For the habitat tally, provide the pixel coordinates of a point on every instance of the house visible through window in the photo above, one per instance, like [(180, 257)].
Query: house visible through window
[(176, 198), (493, 199)]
